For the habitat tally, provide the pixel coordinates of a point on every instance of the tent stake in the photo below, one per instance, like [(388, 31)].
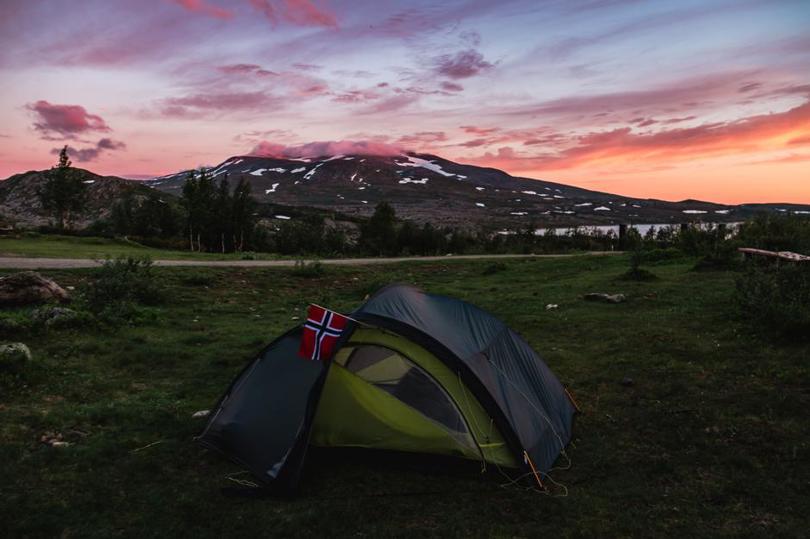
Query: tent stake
[(571, 398), (534, 470)]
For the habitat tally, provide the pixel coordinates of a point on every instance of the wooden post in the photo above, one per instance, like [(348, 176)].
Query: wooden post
[(622, 235)]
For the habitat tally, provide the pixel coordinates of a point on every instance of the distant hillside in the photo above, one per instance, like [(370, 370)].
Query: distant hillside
[(20, 203), (427, 188)]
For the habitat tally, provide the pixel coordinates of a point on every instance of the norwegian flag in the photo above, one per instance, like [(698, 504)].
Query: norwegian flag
[(322, 330)]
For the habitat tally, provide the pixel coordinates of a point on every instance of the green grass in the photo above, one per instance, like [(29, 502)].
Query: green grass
[(710, 439), (57, 246)]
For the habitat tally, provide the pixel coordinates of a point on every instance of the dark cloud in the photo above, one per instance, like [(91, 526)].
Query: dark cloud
[(462, 65), (92, 153)]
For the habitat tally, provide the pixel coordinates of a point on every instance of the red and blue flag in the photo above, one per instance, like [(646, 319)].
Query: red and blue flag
[(322, 330)]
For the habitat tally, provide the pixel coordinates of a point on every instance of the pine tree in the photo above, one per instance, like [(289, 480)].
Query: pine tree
[(242, 211), (64, 192), (378, 235)]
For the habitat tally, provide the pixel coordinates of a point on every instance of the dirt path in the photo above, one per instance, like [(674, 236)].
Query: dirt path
[(69, 263)]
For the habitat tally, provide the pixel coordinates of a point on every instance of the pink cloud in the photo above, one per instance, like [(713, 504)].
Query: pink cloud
[(298, 12), (451, 86), (462, 65), (325, 148), (197, 105), (422, 138), (682, 96), (202, 7), (395, 102), (356, 96), (476, 130), (64, 120)]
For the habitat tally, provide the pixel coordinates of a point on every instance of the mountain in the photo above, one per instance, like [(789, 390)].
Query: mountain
[(422, 188), (20, 203), (427, 188)]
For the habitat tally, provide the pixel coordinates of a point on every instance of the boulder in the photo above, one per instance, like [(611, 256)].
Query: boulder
[(14, 355), (29, 287), (606, 298)]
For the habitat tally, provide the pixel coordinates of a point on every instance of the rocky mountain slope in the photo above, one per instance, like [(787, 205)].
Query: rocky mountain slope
[(20, 203), (427, 188)]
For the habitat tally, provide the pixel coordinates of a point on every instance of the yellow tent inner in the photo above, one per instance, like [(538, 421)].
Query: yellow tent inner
[(386, 392)]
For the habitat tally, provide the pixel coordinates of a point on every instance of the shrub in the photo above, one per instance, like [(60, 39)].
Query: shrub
[(119, 286), (309, 270), (14, 323), (494, 268), (50, 317), (776, 297), (777, 233)]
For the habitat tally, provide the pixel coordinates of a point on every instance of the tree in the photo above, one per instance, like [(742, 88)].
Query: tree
[(378, 235), (199, 200), (222, 217), (64, 192), (242, 214)]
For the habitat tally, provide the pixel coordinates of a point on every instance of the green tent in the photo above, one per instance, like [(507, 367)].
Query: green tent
[(418, 373)]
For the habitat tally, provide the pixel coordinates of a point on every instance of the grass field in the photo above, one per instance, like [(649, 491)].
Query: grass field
[(706, 437), (56, 246)]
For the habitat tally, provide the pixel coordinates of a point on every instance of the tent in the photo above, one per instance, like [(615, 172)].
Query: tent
[(417, 372)]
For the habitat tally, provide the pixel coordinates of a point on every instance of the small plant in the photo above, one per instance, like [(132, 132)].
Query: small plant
[(636, 272), (120, 285), (309, 270)]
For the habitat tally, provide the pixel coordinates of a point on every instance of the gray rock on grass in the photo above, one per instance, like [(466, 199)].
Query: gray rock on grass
[(14, 355), (29, 288), (606, 298)]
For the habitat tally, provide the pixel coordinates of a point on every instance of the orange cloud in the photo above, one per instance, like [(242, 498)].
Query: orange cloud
[(765, 132)]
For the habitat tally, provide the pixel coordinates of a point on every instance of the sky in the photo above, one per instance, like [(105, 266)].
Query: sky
[(674, 100)]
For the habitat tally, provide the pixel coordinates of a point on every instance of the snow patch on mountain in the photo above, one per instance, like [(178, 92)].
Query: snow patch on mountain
[(423, 181), (424, 163)]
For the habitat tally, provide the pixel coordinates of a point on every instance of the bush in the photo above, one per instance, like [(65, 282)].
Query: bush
[(776, 297), (309, 270), (494, 268), (120, 285), (51, 317), (776, 233), (14, 323)]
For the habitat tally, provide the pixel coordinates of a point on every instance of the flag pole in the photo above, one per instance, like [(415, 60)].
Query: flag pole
[(343, 315)]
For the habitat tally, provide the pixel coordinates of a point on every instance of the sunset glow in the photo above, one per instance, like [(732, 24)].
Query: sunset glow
[(692, 99)]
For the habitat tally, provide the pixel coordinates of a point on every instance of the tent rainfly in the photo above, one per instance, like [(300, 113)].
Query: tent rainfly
[(411, 372)]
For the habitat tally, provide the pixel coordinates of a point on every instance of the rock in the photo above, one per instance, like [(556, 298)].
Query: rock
[(606, 298), (201, 413), (552, 307), (54, 316), (29, 287), (53, 439), (14, 355), (627, 382)]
